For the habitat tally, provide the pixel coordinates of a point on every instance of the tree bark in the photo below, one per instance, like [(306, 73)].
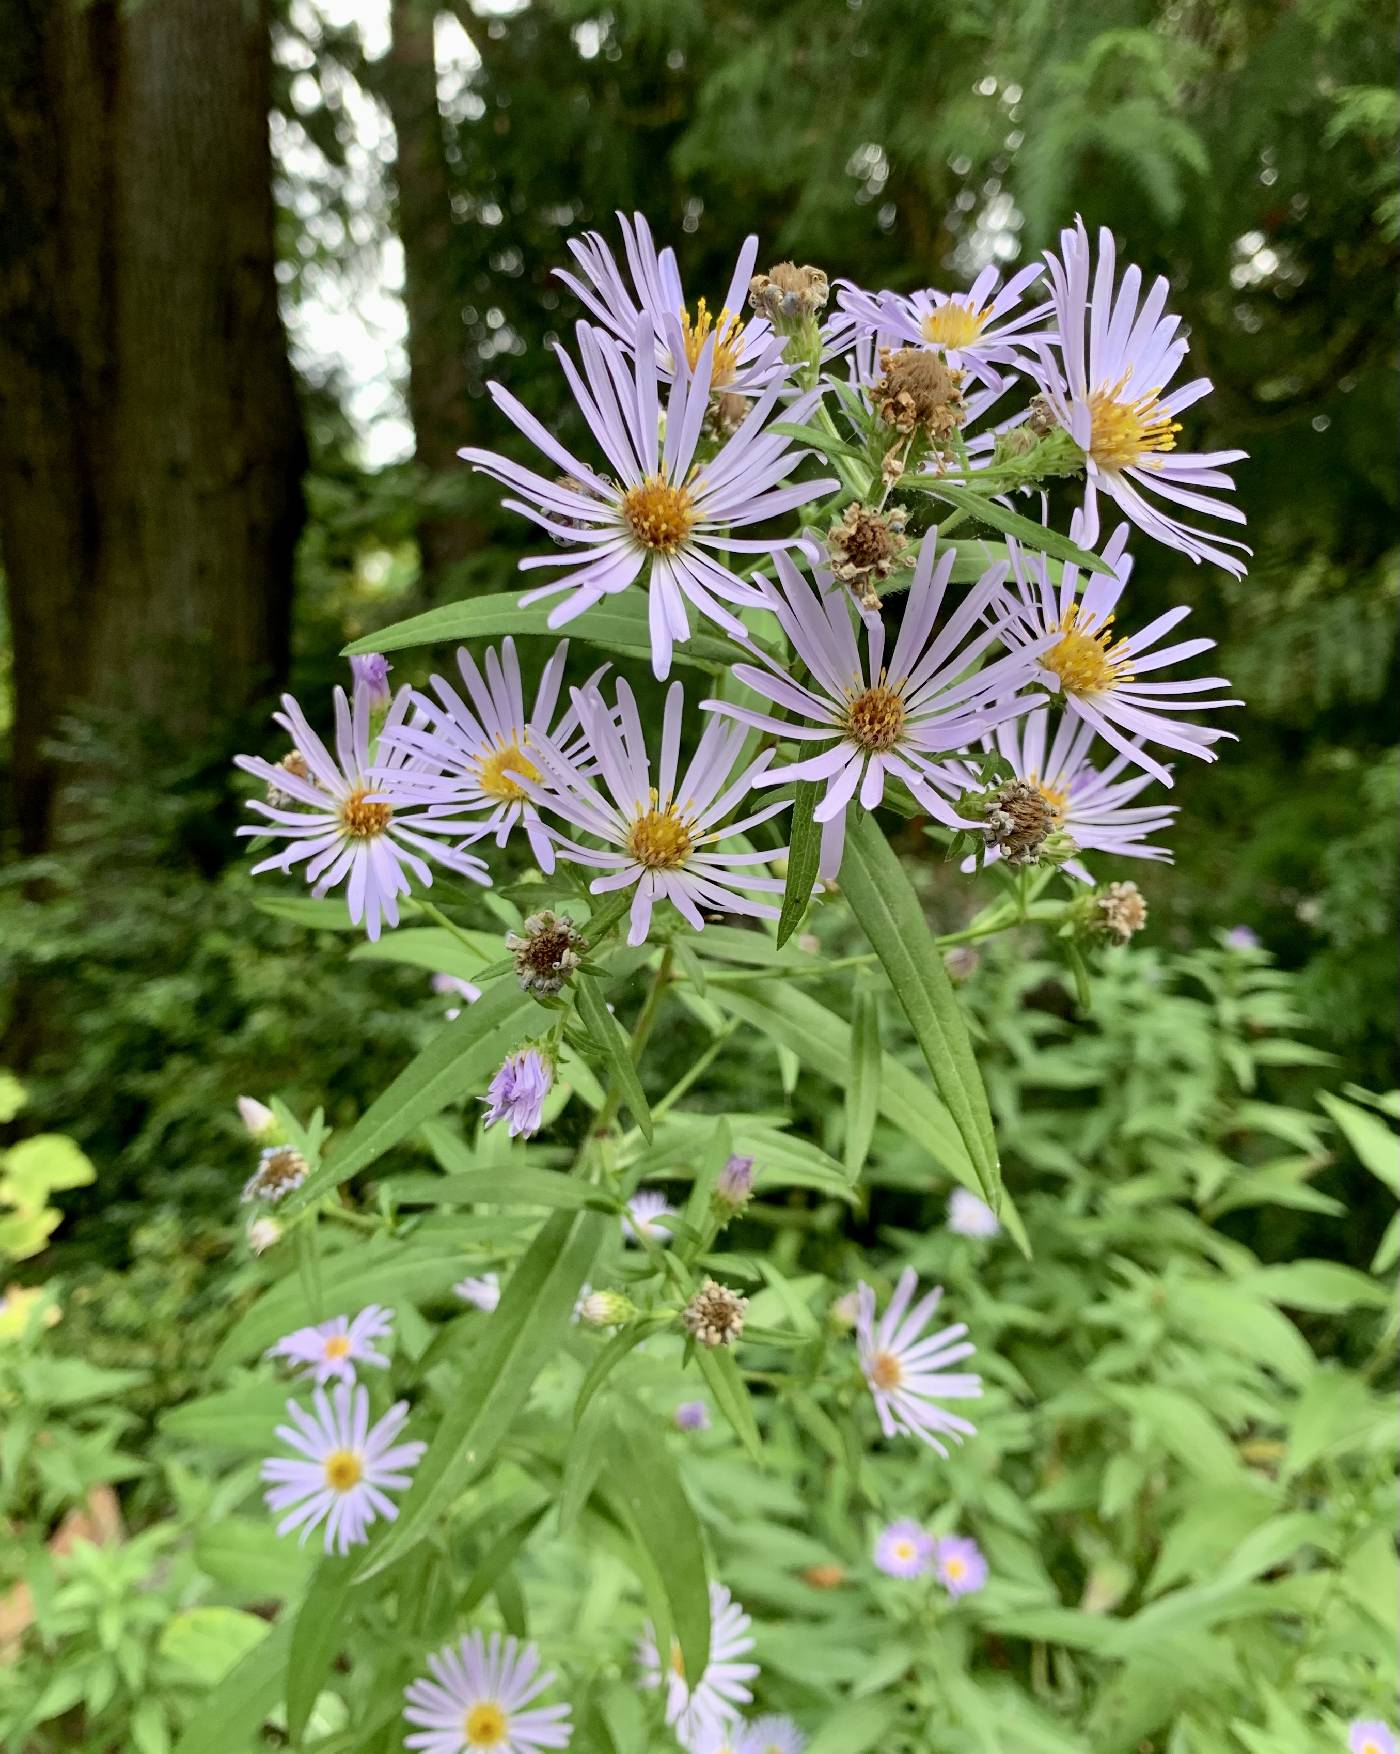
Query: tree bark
[(151, 448), (439, 403)]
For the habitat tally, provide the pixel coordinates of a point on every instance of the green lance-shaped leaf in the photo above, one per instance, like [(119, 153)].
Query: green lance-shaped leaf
[(228, 1719), (457, 1063), (522, 1334), (804, 853), (731, 1395), (1000, 517), (316, 1635), (499, 1556), (863, 1090), (882, 898), (508, 1185), (610, 1039), (639, 1479), (619, 625)]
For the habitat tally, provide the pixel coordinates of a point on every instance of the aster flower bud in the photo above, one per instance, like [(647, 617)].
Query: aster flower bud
[(691, 1416), (280, 1169), (844, 1311), (919, 391), (258, 1119), (263, 1233), (865, 547), (546, 951), (715, 1315), (516, 1094), (962, 962), (789, 296), (733, 1187), (606, 1309), (1122, 910), (370, 671)]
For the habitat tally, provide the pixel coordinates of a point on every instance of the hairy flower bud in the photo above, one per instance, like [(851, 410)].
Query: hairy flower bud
[(547, 950), (258, 1119), (606, 1309), (919, 391), (865, 547), (733, 1187), (370, 671), (788, 295), (715, 1315), (280, 1169)]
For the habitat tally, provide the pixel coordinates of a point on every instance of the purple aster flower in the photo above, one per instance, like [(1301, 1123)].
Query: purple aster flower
[(360, 824), (875, 719), (975, 330), (1105, 382), (713, 1700), (479, 1701), (661, 837), (334, 1348), (482, 745), (656, 512), (1093, 806), (1242, 938), (692, 1416), (771, 1734), (904, 1549), (905, 1372), (346, 1468), (969, 1216), (516, 1094), (370, 671), (1370, 1736), (482, 1290), (1098, 674), (960, 1565), (747, 355), (645, 1216)]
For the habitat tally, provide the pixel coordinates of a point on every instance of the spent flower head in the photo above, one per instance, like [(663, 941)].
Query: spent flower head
[(546, 951), (715, 1315), (280, 1169)]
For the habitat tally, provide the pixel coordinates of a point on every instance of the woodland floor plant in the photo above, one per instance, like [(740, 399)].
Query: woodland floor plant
[(841, 514)]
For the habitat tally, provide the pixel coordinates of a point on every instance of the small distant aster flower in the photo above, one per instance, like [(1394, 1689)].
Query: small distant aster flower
[(345, 1468), (969, 1216), (482, 745), (975, 330), (280, 1169), (747, 356), (482, 1290), (1104, 678), (1242, 938), (645, 1216), (263, 1234), (960, 1565), (771, 1734), (334, 1348), (1370, 1736), (734, 1185), (516, 1093), (714, 1700), (904, 1549), (656, 514), (363, 821), (907, 1374), (876, 720), (1094, 806), (692, 1416), (661, 835), (1106, 382), (479, 1701), (370, 670)]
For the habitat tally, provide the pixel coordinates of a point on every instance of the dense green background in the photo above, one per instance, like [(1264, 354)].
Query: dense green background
[(1246, 150)]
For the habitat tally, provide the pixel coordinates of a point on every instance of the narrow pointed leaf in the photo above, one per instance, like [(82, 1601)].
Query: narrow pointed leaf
[(227, 1720), (610, 1039), (804, 854), (731, 1396), (1025, 530), (316, 1635), (863, 1090)]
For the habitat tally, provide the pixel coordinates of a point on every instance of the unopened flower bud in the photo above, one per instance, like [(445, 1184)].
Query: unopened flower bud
[(606, 1309), (280, 1169), (370, 671), (258, 1119), (733, 1187), (263, 1233), (715, 1315), (919, 391), (962, 961), (547, 950), (844, 1310), (789, 296)]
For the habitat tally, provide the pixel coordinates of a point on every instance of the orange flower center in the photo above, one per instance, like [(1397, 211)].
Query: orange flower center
[(886, 1372), (659, 840), (876, 718), (659, 514)]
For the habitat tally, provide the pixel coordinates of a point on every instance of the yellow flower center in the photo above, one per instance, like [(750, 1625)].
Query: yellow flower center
[(486, 1725), (954, 325), (344, 1469), (955, 1568), (886, 1372), (677, 1660), (876, 718), (362, 820), (659, 840), (728, 332), (659, 514), (338, 1346), (1124, 432), (494, 772), (1086, 661), (904, 1549)]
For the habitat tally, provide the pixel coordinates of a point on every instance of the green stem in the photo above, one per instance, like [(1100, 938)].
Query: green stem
[(435, 913)]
